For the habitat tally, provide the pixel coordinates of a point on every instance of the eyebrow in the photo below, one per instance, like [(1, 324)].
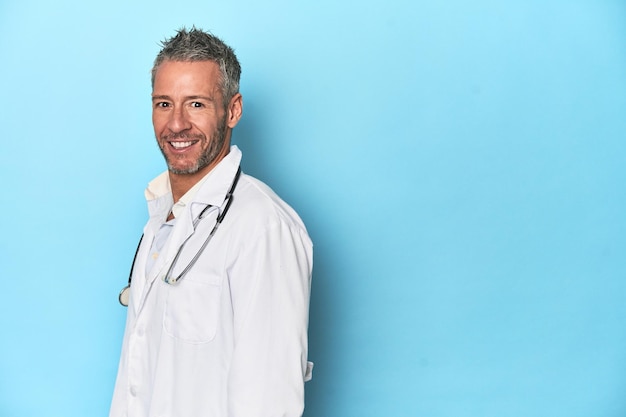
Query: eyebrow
[(164, 97)]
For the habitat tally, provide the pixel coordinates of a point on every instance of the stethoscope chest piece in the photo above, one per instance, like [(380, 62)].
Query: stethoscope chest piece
[(125, 296)]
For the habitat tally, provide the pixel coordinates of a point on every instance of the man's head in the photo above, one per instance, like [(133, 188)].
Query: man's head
[(196, 45), (195, 101)]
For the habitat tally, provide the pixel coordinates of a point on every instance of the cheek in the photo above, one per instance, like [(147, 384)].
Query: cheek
[(203, 126), (158, 123)]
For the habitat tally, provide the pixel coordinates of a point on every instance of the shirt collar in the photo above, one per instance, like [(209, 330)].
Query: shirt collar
[(211, 189)]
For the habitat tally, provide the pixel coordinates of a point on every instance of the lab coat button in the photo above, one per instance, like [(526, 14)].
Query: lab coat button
[(140, 332), (133, 391)]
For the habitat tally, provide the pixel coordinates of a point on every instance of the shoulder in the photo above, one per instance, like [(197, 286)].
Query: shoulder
[(257, 206)]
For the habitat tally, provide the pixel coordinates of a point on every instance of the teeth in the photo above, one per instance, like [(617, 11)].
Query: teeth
[(180, 145)]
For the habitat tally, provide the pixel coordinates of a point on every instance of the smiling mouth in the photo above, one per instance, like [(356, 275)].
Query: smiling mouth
[(182, 145)]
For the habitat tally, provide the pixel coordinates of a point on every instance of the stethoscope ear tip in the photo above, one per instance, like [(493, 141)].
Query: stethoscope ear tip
[(124, 296)]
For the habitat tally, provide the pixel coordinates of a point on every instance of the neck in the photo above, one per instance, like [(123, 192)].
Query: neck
[(182, 183)]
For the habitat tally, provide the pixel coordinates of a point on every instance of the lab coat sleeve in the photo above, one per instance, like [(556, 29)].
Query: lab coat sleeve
[(270, 289)]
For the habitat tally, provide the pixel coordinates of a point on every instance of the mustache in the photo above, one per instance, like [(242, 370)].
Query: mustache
[(182, 135)]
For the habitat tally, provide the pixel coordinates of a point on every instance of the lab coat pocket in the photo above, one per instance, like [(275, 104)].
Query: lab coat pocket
[(192, 310)]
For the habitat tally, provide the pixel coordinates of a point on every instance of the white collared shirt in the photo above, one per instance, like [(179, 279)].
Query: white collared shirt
[(161, 187), (230, 338)]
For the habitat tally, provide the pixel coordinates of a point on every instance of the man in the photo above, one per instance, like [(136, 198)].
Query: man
[(224, 334)]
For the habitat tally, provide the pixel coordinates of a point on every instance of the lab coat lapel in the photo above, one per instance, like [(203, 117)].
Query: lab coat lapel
[(181, 231)]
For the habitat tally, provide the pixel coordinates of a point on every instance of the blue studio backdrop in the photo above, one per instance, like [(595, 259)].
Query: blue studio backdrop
[(459, 166)]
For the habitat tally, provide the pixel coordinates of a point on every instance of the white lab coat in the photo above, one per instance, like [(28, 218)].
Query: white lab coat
[(229, 339)]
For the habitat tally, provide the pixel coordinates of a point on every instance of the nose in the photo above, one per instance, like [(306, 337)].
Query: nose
[(178, 120)]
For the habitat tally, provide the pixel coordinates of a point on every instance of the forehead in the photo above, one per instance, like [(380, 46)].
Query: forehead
[(181, 76)]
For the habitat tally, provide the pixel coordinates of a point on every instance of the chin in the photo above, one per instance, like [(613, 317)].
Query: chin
[(184, 171)]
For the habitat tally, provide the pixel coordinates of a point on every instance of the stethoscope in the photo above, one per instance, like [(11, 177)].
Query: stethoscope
[(124, 296)]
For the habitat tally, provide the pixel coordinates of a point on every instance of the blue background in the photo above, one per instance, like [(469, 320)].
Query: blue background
[(459, 165)]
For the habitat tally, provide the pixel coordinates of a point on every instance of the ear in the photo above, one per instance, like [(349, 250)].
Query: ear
[(235, 109)]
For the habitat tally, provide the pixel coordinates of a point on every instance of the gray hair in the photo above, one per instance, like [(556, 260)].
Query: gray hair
[(196, 45)]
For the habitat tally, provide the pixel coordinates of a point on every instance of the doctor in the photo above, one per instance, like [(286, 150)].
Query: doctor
[(224, 334)]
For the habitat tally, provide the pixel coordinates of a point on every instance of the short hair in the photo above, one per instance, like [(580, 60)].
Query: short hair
[(197, 45)]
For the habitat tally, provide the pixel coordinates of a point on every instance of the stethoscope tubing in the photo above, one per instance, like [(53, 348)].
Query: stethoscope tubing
[(124, 295)]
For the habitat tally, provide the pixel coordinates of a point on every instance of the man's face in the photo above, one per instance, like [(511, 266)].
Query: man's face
[(189, 117)]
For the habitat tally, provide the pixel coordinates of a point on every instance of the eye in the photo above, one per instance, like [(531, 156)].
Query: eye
[(197, 104), (162, 104)]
